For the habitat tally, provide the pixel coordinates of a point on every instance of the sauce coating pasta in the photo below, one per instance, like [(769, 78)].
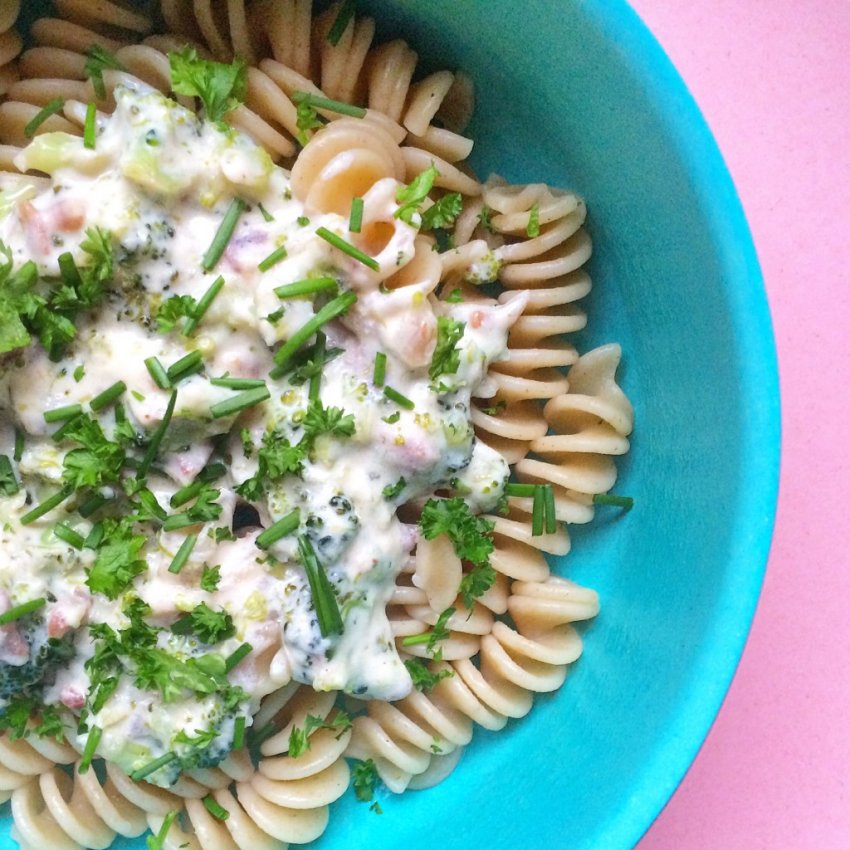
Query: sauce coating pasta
[(286, 430)]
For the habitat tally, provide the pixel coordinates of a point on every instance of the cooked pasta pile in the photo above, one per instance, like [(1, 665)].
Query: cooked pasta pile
[(557, 417)]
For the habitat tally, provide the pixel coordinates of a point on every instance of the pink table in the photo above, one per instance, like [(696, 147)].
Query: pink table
[(773, 81)]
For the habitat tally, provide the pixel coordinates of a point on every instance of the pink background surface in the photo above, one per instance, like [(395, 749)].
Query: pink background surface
[(772, 78)]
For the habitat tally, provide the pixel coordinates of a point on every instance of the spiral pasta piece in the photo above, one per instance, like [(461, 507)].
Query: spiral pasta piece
[(62, 811), (403, 738), (23, 760)]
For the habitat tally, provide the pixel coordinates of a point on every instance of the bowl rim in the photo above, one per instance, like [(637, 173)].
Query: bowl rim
[(755, 511)]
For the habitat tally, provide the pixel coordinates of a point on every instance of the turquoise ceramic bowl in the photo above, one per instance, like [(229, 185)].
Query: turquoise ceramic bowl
[(579, 94)]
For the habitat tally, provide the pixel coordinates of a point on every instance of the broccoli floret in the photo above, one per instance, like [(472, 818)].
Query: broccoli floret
[(206, 748), (45, 654)]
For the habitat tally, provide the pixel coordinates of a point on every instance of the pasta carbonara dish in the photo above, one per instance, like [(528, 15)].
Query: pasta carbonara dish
[(285, 427)]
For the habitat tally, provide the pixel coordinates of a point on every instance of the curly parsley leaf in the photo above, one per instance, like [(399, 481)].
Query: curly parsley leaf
[(173, 310), (210, 578), (446, 357), (299, 739), (423, 678), (320, 420), (444, 212), (276, 457), (220, 87), (476, 583), (364, 779), (411, 196), (470, 535), (118, 560), (99, 461), (307, 119), (26, 715), (208, 626)]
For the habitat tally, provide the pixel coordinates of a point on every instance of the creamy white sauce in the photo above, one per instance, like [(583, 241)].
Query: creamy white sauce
[(161, 183)]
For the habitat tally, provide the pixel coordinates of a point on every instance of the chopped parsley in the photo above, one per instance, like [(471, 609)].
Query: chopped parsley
[(443, 213), (208, 626), (423, 678), (220, 87), (412, 196), (364, 779), (446, 357), (299, 738), (210, 578)]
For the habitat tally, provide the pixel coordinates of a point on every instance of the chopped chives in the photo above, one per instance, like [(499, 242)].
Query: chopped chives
[(413, 640), (156, 440), (265, 213), (549, 509), (319, 355), (203, 305), (158, 373), (331, 310), (184, 367), (177, 521), (190, 491), (318, 102), (246, 399), (183, 554), (305, 287), (223, 235), (21, 611), (79, 373), (153, 766), (280, 529), (355, 219), (93, 503), (625, 502), (95, 537), (398, 398), (521, 490), (18, 453), (238, 383), (59, 434), (69, 536), (212, 472), (90, 127), (347, 248), (108, 396), (60, 414), (340, 24), (163, 830), (380, 372), (239, 733), (537, 510), (273, 259), (324, 598), (47, 505), (187, 493), (215, 808), (49, 108), (92, 741), (69, 271), (236, 656)]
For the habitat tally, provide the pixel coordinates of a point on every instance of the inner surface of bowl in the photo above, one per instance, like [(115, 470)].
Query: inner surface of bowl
[(582, 97)]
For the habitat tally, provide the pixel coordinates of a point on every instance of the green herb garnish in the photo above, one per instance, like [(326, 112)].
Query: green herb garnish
[(220, 87)]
